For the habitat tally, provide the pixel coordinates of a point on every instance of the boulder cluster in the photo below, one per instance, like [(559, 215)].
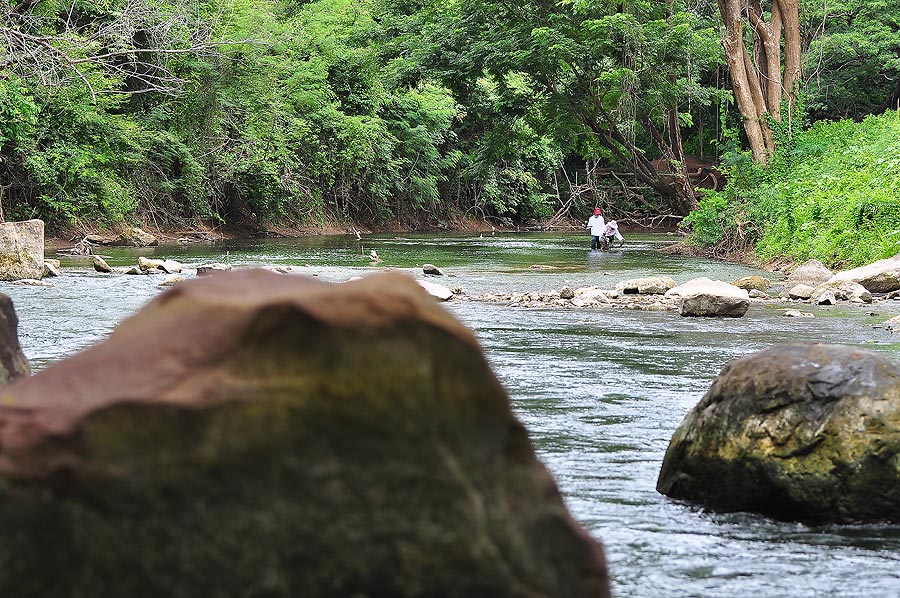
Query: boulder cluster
[(698, 297), (810, 283)]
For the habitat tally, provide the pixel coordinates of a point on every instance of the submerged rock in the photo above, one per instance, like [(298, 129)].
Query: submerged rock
[(208, 269), (13, 364), (278, 436), (33, 282), (710, 298), (806, 431), (171, 281), (796, 313), (22, 250)]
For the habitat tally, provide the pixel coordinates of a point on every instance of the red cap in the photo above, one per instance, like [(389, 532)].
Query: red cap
[(597, 212)]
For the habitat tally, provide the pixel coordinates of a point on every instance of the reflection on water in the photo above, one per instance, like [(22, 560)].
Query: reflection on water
[(601, 392)]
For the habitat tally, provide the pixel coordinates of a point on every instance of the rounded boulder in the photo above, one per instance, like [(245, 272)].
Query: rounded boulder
[(807, 432), (278, 436)]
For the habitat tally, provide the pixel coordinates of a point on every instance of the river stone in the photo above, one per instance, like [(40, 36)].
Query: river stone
[(51, 269), (882, 276), (13, 364), (33, 282), (21, 249), (437, 291), (893, 324), (811, 273), (150, 265), (100, 265), (208, 269), (800, 291), (96, 239), (796, 313), (757, 294), (844, 290), (432, 270), (171, 281), (656, 285), (823, 297), (170, 267), (136, 237), (805, 432), (754, 282), (710, 298), (278, 436), (566, 293)]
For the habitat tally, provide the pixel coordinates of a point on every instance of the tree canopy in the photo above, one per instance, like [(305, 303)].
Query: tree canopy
[(251, 112)]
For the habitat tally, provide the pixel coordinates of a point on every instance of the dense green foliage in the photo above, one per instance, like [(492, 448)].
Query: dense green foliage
[(853, 65), (830, 193), (253, 112)]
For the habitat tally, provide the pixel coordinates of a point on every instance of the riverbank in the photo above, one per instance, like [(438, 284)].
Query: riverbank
[(63, 239)]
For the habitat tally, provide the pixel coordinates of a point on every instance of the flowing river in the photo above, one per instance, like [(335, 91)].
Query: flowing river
[(600, 391)]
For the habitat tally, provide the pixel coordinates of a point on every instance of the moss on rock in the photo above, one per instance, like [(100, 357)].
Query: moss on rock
[(806, 431)]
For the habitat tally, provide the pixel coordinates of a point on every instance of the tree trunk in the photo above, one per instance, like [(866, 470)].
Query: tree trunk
[(760, 83)]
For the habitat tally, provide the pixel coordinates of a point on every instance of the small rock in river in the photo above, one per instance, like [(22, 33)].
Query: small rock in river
[(100, 265), (566, 293), (432, 270), (208, 269), (796, 313), (171, 281)]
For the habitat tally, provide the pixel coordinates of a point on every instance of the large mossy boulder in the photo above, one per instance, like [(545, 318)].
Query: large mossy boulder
[(804, 432), (251, 434), (13, 364), (22, 250)]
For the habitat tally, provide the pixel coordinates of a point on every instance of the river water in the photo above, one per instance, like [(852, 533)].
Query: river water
[(600, 391)]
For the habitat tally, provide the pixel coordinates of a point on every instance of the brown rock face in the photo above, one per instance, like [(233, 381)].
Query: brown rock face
[(808, 432), (13, 364), (251, 434)]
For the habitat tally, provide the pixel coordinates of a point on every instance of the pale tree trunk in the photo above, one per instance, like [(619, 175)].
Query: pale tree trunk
[(762, 81)]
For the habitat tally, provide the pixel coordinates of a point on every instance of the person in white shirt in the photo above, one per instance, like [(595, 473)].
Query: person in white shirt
[(597, 225), (611, 231)]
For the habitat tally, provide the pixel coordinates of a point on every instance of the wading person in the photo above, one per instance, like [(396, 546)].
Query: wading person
[(596, 224), (611, 232)]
